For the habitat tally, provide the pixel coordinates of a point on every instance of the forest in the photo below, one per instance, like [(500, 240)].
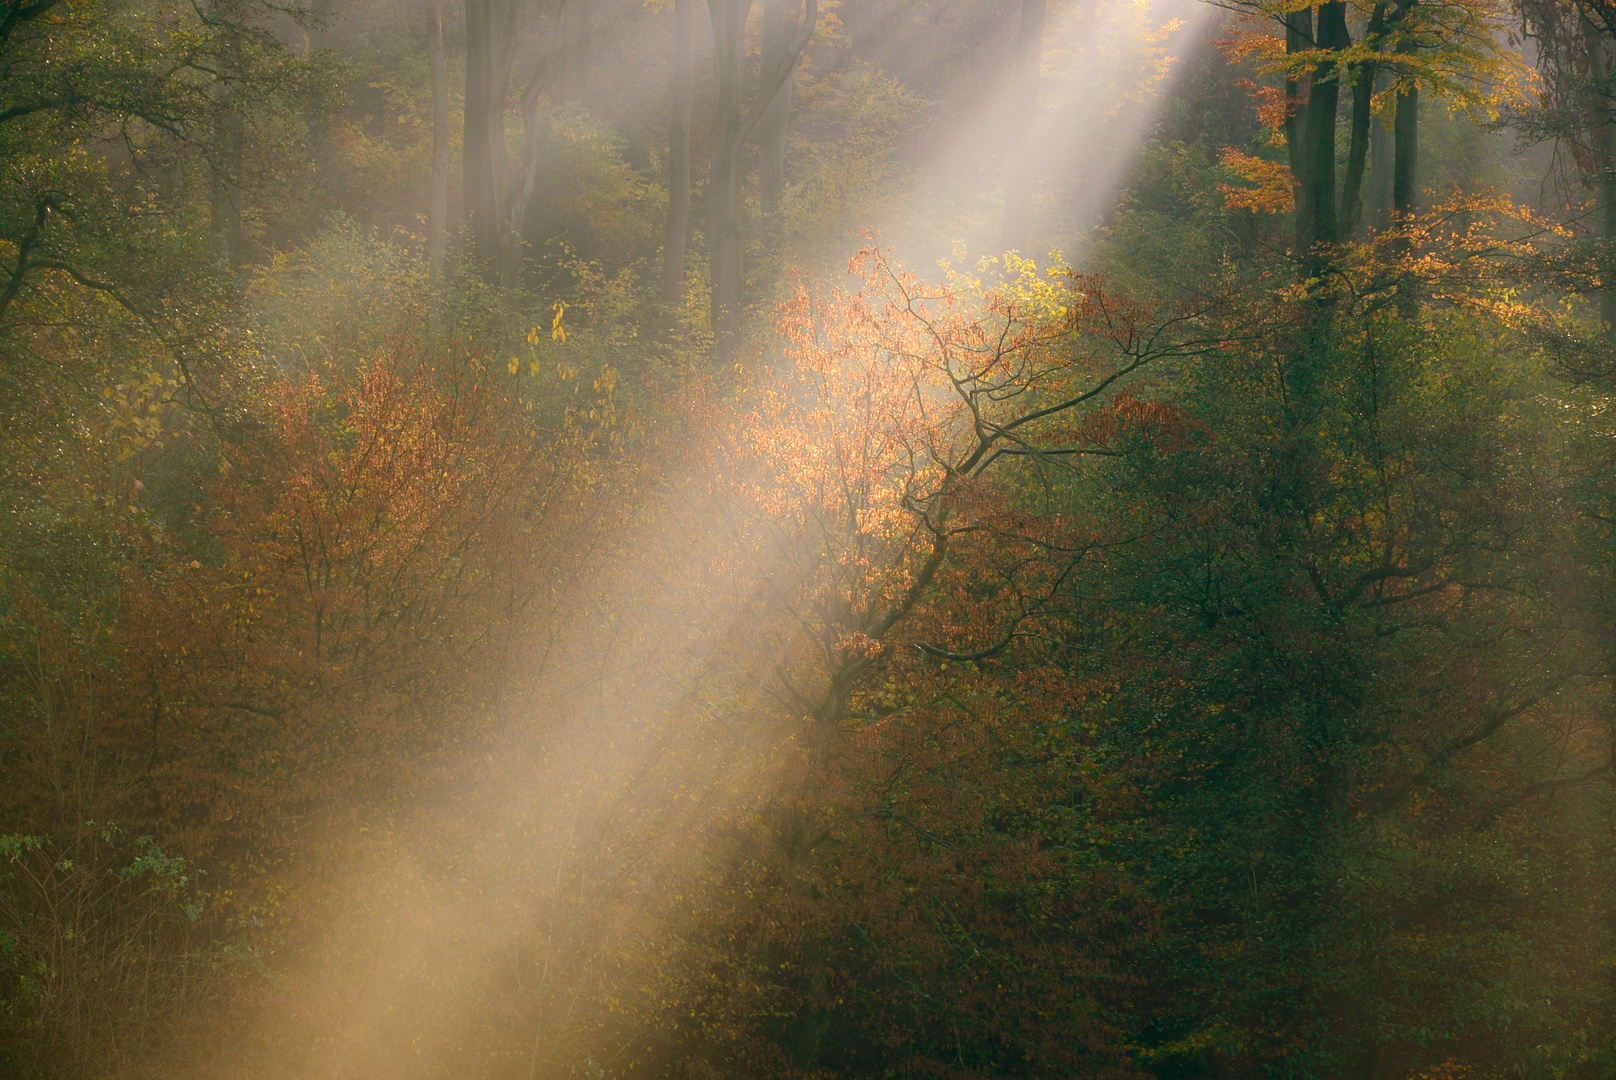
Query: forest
[(807, 539)]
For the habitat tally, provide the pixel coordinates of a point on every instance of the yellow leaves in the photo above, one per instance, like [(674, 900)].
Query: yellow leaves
[(1448, 1070), (515, 365), (1271, 189), (1460, 53), (557, 331)]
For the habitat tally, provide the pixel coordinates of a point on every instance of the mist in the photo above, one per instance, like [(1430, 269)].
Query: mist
[(704, 539)]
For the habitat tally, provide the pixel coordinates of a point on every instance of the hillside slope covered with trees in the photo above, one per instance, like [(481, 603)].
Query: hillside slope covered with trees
[(728, 539)]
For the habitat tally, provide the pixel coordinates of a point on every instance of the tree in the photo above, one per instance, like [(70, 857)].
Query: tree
[(1575, 55), (180, 95), (776, 54), (732, 125), (907, 398), (438, 218), (490, 49), (498, 198), (681, 98), (1441, 46)]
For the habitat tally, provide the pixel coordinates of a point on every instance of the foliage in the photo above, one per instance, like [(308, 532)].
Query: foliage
[(1190, 660)]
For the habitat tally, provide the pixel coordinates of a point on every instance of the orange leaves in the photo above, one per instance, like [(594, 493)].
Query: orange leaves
[(1476, 251), (1252, 39), (368, 487), (885, 454), (370, 531), (1269, 187)]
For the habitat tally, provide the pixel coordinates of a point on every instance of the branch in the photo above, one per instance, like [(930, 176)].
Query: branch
[(1539, 788), (919, 830), (241, 706), (1015, 627), (25, 248), (18, 13), (1488, 728), (973, 657), (138, 312), (33, 107)]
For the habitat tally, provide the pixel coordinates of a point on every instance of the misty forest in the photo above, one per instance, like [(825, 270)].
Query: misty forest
[(807, 539)]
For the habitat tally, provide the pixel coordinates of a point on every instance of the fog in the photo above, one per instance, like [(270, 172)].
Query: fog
[(1018, 539)]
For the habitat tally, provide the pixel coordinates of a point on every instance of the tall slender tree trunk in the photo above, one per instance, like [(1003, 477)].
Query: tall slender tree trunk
[(1018, 184), (502, 27), (776, 117), (477, 176), (729, 64), (1405, 151), (1299, 38), (1405, 131), (1607, 225), (520, 190), (730, 130), (1602, 61), (573, 55), (1363, 96), (1405, 173), (321, 34), (1323, 105), (490, 43), (437, 227), (682, 96)]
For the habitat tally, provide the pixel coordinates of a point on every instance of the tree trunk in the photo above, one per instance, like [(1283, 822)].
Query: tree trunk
[(573, 59), (1405, 150), (1405, 137), (682, 95), (1299, 38), (1018, 184), (1604, 130), (1405, 166), (729, 65), (490, 40), (777, 116), (478, 177), (1323, 104), (1363, 93), (437, 229), (730, 130), (520, 196), (1607, 226)]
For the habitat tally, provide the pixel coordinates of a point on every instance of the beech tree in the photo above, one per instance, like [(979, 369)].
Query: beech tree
[(1440, 46), (681, 100), (1575, 55), (1171, 666), (490, 51), (498, 196), (733, 124), (438, 217)]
